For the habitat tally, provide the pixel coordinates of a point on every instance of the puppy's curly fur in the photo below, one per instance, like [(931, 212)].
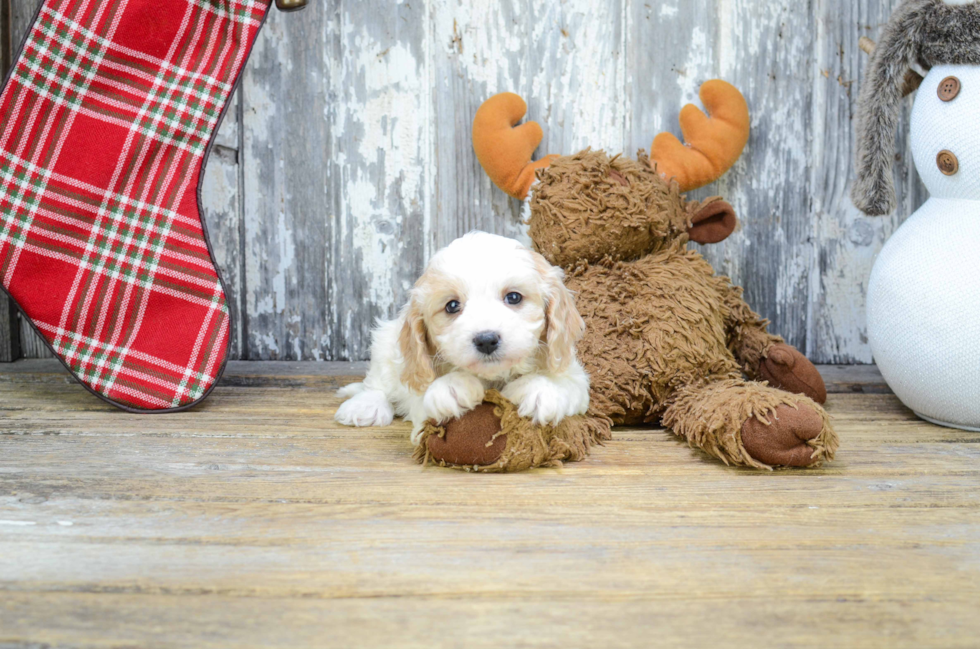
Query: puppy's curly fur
[(434, 362), (667, 339)]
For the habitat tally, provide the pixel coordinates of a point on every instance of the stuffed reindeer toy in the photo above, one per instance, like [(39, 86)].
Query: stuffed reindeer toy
[(924, 292), (667, 340)]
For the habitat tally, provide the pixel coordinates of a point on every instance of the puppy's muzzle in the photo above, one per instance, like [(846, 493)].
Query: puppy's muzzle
[(486, 342)]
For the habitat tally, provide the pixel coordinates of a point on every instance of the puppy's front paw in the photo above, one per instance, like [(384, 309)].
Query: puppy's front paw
[(366, 408), (540, 399), (451, 395)]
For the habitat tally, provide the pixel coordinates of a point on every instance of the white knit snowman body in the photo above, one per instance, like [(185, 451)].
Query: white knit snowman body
[(924, 292)]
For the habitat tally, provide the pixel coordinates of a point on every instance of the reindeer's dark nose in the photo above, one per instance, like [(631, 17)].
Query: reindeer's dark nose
[(487, 342)]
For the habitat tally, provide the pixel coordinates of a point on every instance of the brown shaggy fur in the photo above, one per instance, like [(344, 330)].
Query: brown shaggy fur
[(710, 417), (666, 338), (589, 207), (528, 446)]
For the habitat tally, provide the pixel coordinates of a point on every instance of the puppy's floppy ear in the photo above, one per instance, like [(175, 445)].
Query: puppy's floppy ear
[(418, 372), (563, 325)]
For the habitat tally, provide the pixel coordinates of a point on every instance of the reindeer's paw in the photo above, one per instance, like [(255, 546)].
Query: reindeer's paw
[(470, 441), (493, 437), (787, 369), (784, 440)]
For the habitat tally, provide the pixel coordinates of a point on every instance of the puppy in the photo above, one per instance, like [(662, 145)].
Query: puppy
[(487, 313)]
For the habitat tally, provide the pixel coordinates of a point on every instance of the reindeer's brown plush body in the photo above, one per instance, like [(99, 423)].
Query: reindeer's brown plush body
[(666, 338)]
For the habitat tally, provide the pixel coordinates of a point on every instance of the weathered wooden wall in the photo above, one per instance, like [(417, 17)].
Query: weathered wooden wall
[(347, 160)]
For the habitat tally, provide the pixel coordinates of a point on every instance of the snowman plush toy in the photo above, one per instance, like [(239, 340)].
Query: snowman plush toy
[(924, 293)]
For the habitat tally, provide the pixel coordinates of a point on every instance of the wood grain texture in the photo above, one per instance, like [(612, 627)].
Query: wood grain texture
[(477, 50), (10, 347), (846, 241), (577, 66), (349, 162), (763, 56), (336, 181), (254, 521), (221, 202), (22, 14)]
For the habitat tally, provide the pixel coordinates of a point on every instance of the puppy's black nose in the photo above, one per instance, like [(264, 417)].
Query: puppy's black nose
[(487, 342)]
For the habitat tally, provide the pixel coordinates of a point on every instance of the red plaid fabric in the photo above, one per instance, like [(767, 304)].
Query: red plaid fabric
[(105, 122)]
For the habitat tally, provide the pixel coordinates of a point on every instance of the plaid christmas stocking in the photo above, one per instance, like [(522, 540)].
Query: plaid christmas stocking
[(106, 120)]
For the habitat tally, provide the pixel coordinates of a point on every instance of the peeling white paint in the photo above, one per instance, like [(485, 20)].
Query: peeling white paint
[(698, 66), (576, 90), (386, 175), (374, 247), (486, 39), (266, 341), (287, 260)]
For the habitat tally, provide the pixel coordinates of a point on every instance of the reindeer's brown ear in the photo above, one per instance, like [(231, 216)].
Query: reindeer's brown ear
[(712, 221), (418, 372), (503, 148)]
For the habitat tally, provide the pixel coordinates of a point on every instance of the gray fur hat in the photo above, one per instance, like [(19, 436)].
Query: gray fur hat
[(923, 32)]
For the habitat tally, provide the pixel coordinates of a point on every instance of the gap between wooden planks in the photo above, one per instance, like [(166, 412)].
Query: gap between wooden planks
[(255, 521)]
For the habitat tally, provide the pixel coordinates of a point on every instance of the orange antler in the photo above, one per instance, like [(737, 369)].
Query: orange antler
[(713, 143), (505, 149)]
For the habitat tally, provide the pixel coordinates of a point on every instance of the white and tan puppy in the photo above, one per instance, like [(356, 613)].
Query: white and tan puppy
[(487, 313)]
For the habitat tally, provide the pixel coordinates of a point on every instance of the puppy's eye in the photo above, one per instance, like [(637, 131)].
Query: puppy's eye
[(513, 299), (453, 306)]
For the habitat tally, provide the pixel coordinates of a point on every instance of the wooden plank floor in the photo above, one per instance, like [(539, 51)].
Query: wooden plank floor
[(254, 521)]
